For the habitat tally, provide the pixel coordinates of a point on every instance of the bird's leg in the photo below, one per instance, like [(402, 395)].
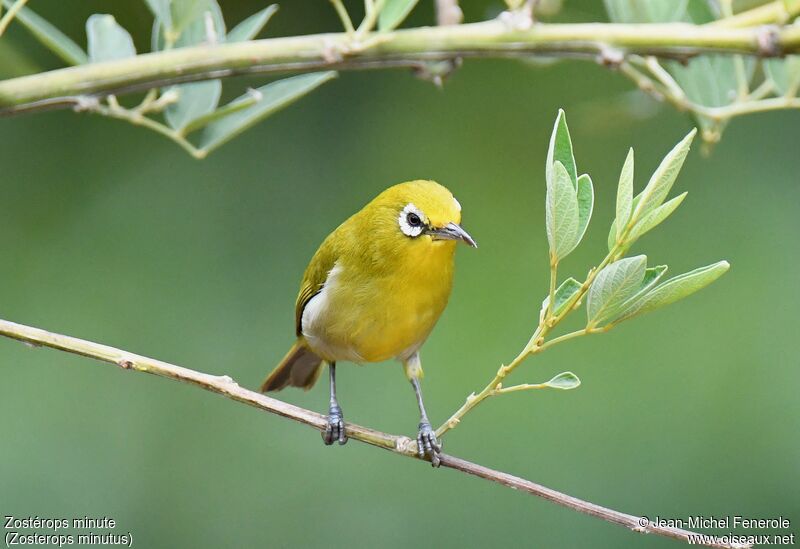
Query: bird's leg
[(427, 444), (334, 430)]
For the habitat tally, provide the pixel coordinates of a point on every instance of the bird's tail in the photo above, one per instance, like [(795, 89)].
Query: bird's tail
[(299, 368)]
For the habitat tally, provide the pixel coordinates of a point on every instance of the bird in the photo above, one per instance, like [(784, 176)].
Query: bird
[(373, 291)]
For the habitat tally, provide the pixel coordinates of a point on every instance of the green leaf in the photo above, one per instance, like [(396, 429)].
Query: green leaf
[(564, 381), (187, 24), (247, 100), (678, 287), (394, 12), (651, 277), (613, 285), (612, 233), (564, 296), (784, 73), (274, 97), (52, 38), (662, 179), (250, 27), (195, 100), (107, 40), (161, 11), (561, 213), (655, 217), (560, 150), (585, 198), (646, 11), (624, 195)]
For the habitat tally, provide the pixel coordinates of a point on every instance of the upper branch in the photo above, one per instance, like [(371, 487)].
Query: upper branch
[(402, 48), (402, 445)]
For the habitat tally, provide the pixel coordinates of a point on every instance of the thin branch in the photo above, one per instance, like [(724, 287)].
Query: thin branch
[(401, 48), (402, 445)]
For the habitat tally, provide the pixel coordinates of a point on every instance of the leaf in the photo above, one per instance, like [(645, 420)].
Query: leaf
[(55, 40), (107, 40), (250, 27), (585, 198), (612, 233), (560, 150), (646, 11), (564, 295), (561, 213), (274, 97), (651, 277), (613, 285), (247, 100), (564, 381), (624, 195), (662, 179), (161, 11), (784, 73), (195, 100), (678, 287), (187, 24), (394, 12), (655, 217)]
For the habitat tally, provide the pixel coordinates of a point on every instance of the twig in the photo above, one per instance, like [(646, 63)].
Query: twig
[(402, 445), (401, 48)]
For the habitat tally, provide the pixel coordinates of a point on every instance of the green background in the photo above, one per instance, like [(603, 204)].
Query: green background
[(114, 234)]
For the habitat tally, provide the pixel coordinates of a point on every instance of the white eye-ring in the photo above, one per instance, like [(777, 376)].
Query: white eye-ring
[(458, 204), (411, 221)]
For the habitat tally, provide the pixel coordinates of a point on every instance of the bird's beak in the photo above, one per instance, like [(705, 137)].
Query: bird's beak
[(452, 231)]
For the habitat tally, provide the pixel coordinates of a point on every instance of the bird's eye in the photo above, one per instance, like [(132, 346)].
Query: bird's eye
[(413, 220)]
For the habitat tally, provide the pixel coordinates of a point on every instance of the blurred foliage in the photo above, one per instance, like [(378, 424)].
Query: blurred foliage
[(114, 236)]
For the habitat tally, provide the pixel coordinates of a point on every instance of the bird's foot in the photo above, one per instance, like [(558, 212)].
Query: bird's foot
[(334, 430), (428, 444)]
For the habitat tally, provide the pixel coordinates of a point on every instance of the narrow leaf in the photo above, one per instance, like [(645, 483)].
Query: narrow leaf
[(249, 99), (651, 277), (107, 40), (784, 73), (564, 296), (585, 198), (560, 150), (195, 100), (274, 97), (613, 285), (656, 216), (679, 287), (161, 11), (564, 381), (612, 233), (624, 195), (52, 38), (662, 179), (561, 213), (250, 27), (394, 12)]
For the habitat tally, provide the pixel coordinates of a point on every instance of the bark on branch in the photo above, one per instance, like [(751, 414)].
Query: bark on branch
[(607, 42), (402, 445)]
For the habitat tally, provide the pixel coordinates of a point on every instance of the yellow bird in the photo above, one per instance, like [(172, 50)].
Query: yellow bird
[(373, 291)]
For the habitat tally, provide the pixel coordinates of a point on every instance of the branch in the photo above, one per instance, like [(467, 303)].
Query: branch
[(403, 48), (402, 445)]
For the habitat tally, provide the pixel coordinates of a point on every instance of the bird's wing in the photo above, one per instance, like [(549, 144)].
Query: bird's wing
[(314, 278)]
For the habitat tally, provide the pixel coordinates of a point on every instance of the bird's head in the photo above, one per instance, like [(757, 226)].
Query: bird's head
[(422, 212)]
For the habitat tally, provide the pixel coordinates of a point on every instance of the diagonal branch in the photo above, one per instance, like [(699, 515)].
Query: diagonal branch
[(402, 48), (402, 445)]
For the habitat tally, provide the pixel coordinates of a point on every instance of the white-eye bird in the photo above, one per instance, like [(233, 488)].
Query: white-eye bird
[(373, 291)]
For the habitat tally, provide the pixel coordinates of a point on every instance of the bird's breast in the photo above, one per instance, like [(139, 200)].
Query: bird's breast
[(368, 314)]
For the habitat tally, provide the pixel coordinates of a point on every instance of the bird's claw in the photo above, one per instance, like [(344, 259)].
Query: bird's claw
[(334, 429), (428, 444)]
